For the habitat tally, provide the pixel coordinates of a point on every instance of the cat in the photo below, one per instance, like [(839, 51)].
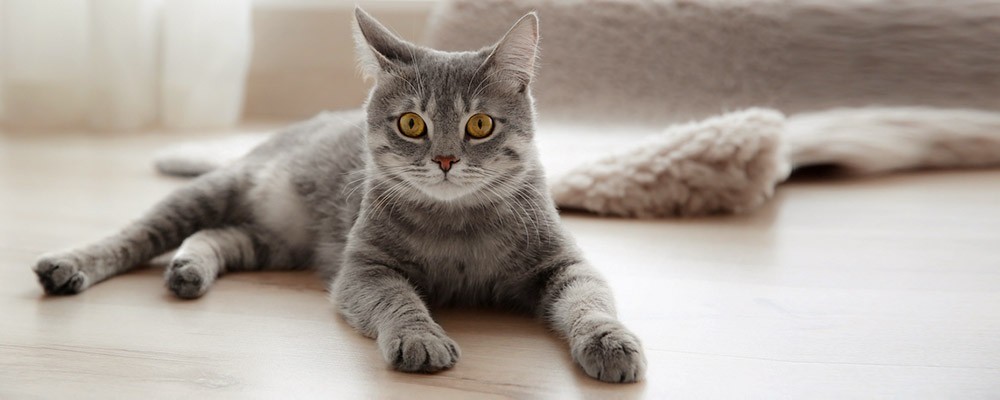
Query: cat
[(432, 195)]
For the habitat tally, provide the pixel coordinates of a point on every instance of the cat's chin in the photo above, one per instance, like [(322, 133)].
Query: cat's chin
[(447, 191)]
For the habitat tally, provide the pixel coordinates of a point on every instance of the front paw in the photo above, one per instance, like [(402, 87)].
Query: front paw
[(610, 353), (420, 348), (60, 275)]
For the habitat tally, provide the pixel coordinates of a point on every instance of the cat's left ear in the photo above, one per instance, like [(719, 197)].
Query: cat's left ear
[(513, 58), (378, 49)]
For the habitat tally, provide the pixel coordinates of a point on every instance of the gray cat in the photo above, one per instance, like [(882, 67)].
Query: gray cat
[(433, 195)]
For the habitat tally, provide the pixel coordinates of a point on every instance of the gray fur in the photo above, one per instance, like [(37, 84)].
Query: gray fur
[(350, 194)]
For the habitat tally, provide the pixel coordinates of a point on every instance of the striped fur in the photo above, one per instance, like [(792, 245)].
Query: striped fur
[(348, 193)]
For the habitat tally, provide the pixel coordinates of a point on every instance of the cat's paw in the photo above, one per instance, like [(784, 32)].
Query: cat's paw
[(611, 354), (60, 274), (423, 348), (187, 279)]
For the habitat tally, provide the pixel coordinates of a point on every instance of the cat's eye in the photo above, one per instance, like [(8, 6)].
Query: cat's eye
[(479, 126), (411, 125)]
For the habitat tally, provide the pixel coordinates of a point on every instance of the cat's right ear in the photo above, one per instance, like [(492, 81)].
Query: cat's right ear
[(514, 57), (378, 49)]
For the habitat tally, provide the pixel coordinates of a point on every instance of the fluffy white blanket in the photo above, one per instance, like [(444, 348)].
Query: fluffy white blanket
[(731, 163)]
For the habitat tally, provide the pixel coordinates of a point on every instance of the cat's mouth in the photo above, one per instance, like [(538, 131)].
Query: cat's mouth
[(447, 185)]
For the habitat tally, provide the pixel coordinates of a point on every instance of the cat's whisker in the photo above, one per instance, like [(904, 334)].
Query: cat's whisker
[(393, 200), (486, 77), (407, 81), (507, 204), (516, 191), (489, 76), (474, 75), (416, 67), (534, 217), (360, 182), (352, 185), (375, 183), (486, 200), (532, 188), (397, 193), (384, 198)]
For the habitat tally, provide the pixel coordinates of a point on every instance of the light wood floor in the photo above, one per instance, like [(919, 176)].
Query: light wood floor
[(882, 287)]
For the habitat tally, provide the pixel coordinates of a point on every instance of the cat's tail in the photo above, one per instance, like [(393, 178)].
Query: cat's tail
[(203, 156)]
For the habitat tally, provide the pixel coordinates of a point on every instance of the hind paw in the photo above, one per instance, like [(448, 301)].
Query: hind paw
[(188, 279), (60, 275)]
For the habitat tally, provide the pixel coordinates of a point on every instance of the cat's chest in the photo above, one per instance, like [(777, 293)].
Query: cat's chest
[(445, 256), (470, 251), (461, 270), (461, 257)]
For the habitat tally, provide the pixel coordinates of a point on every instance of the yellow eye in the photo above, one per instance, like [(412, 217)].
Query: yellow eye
[(410, 124), (479, 126)]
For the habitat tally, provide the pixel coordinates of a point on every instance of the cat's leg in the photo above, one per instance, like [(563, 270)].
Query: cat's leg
[(202, 203), (382, 304), (577, 303), (211, 252)]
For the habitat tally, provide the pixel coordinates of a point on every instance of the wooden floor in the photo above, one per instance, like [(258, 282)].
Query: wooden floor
[(881, 287)]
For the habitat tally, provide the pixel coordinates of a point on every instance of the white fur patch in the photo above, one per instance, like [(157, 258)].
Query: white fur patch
[(278, 206)]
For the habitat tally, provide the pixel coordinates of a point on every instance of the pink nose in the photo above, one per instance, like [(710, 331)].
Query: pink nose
[(445, 162)]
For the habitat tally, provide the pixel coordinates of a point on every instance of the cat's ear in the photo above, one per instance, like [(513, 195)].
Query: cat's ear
[(513, 58), (379, 50)]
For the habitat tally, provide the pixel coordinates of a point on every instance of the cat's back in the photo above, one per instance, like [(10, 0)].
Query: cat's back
[(313, 154), (338, 133)]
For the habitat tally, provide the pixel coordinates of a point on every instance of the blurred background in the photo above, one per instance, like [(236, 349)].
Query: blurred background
[(131, 65)]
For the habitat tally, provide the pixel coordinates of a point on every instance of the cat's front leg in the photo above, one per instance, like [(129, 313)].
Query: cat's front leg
[(381, 303), (578, 304)]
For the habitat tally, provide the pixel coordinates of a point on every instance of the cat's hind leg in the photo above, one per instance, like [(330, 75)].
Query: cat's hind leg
[(211, 252), (205, 202)]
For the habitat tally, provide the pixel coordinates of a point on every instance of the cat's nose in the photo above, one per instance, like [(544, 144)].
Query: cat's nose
[(445, 162)]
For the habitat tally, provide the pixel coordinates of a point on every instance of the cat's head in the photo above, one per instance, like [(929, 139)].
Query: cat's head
[(450, 125)]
